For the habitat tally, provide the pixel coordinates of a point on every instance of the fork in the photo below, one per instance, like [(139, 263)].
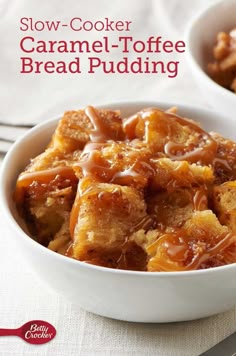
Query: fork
[(9, 133)]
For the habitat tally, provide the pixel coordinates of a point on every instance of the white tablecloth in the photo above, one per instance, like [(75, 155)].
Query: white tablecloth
[(32, 98)]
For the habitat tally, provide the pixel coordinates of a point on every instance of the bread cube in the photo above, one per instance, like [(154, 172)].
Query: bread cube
[(103, 217), (202, 243), (171, 175), (175, 208), (74, 129), (225, 204)]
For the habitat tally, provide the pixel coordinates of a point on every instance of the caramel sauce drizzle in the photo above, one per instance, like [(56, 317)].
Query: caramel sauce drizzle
[(177, 252), (222, 162), (176, 247), (130, 125), (90, 163), (102, 132), (90, 158), (144, 224), (43, 177), (225, 241), (172, 149), (200, 199), (223, 165), (93, 165)]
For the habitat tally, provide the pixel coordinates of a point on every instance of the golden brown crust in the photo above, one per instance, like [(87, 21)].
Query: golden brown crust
[(175, 208), (171, 175), (74, 128), (224, 162), (106, 215), (225, 204), (202, 243)]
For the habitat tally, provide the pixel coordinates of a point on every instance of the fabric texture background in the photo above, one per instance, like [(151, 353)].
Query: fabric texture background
[(29, 99)]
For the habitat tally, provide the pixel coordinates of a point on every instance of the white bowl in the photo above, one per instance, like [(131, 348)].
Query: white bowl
[(124, 295), (201, 37)]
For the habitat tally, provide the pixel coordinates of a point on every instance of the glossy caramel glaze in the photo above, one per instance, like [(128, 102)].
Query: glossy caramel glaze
[(147, 192)]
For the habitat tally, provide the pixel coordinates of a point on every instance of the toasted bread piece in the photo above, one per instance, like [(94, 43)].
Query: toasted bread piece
[(150, 125), (103, 218), (178, 138), (120, 163), (44, 195), (171, 175), (61, 240), (173, 210), (145, 238), (70, 137), (45, 203), (224, 164), (225, 204), (202, 243), (74, 129), (53, 158), (72, 132), (116, 163)]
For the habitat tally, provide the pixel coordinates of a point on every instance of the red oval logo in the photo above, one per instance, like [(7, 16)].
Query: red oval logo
[(38, 332)]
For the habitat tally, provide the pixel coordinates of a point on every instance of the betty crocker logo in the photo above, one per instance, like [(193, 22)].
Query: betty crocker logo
[(34, 332)]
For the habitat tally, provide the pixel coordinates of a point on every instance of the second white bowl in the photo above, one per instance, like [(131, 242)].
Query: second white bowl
[(201, 37)]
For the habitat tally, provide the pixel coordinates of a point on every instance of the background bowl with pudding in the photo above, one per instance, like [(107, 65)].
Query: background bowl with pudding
[(201, 39)]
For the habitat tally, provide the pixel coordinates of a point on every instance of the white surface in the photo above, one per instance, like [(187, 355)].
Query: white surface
[(22, 295)]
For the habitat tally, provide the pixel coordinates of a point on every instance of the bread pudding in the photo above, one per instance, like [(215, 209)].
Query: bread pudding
[(223, 69), (149, 192)]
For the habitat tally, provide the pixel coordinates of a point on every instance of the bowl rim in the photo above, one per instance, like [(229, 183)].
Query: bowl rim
[(189, 54), (26, 239)]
